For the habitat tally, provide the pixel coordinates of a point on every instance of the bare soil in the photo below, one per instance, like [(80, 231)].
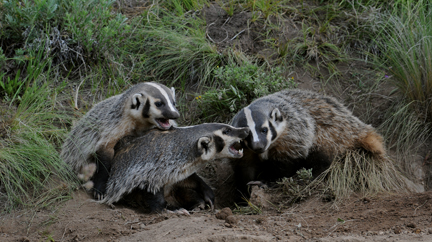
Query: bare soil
[(398, 217)]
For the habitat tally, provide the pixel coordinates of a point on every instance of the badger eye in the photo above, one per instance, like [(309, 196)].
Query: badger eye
[(159, 104), (226, 131), (264, 130)]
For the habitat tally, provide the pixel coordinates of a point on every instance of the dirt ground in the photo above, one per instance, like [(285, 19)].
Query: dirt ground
[(398, 217)]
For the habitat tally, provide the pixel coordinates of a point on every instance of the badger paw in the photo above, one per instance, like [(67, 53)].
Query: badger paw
[(98, 196)]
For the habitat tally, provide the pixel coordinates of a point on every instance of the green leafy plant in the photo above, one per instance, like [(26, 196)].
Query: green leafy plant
[(239, 85)]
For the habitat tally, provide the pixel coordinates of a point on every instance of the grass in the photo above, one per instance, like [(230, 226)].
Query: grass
[(404, 133), (250, 209), (176, 49), (29, 160), (406, 52), (32, 129), (359, 172)]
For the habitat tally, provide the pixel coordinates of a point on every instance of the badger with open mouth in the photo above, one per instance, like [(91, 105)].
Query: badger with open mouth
[(89, 147), (148, 167)]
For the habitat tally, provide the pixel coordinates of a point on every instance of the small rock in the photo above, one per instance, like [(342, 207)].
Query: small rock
[(262, 220), (224, 213), (135, 226), (228, 225), (411, 225), (231, 219), (397, 230), (24, 239), (142, 226), (417, 231)]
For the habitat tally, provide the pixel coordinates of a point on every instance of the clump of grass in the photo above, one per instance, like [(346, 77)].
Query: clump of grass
[(357, 171), (405, 132), (175, 48), (407, 52), (298, 188), (32, 173), (250, 209)]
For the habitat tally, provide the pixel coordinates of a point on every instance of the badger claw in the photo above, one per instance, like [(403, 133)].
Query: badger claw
[(99, 196), (257, 183), (181, 211)]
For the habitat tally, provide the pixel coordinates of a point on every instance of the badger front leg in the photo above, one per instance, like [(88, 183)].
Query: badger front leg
[(190, 193), (103, 166)]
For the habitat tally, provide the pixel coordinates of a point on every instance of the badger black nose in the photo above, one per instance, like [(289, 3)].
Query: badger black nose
[(259, 150), (171, 115), (258, 147)]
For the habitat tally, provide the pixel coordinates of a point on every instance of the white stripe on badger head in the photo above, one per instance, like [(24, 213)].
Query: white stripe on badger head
[(173, 91), (269, 135), (164, 93), (251, 123)]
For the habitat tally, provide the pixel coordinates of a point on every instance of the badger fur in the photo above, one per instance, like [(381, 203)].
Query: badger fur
[(92, 140), (157, 160), (292, 129)]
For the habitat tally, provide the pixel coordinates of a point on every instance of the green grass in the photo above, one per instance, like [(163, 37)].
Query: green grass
[(176, 49), (407, 52), (32, 173), (404, 133)]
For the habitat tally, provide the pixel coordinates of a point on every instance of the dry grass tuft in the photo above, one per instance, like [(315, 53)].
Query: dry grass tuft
[(357, 171)]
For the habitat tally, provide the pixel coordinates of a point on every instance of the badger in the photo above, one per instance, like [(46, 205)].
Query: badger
[(89, 147), (149, 166), (296, 128)]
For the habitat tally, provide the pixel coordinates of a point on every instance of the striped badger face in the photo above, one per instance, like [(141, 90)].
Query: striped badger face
[(265, 126), (155, 103), (222, 141)]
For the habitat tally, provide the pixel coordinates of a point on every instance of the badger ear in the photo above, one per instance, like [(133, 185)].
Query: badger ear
[(205, 147), (136, 100), (173, 92), (276, 115)]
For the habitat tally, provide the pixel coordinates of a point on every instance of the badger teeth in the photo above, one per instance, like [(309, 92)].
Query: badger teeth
[(241, 151)]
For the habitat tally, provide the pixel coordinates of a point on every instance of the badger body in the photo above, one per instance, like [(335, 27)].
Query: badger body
[(158, 160), (90, 143), (292, 129)]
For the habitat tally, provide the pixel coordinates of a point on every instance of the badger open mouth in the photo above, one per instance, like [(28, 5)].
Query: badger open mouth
[(236, 149), (163, 123)]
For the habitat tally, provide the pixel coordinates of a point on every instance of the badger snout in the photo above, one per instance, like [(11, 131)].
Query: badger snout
[(171, 114), (256, 146), (243, 132)]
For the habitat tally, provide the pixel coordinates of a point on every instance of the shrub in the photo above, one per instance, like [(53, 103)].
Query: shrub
[(240, 85)]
